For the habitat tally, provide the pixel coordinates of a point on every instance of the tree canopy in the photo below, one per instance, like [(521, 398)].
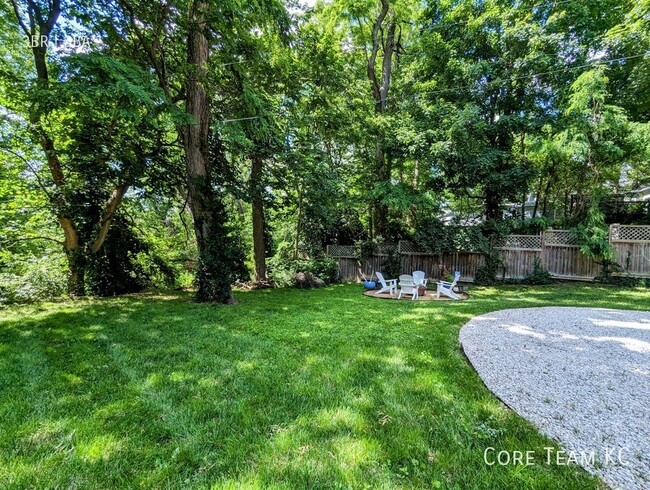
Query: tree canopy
[(211, 142)]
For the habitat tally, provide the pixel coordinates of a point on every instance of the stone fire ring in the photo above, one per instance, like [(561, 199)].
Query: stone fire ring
[(429, 296)]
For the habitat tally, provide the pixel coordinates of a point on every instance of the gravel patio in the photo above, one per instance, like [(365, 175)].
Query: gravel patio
[(581, 375)]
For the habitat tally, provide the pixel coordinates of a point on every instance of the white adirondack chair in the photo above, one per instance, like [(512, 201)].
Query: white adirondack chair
[(447, 288), (407, 286), (389, 285), (418, 278)]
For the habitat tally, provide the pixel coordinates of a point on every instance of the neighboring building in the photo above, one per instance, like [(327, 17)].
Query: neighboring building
[(514, 209), (638, 195), (617, 207)]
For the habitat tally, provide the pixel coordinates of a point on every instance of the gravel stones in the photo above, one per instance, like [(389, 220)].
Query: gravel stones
[(581, 375)]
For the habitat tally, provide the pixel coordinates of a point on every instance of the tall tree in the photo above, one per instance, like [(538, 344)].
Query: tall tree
[(69, 125), (385, 38), (476, 77), (37, 24), (210, 35), (206, 205)]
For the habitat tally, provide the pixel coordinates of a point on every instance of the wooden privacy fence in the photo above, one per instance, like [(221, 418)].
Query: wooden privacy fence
[(557, 251), (435, 266), (631, 244)]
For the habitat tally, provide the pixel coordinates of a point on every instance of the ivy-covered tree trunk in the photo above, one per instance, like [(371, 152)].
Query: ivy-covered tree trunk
[(492, 204), (76, 273), (259, 242), (213, 274)]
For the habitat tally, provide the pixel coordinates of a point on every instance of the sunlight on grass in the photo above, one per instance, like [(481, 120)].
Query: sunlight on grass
[(101, 448), (338, 418), (289, 389)]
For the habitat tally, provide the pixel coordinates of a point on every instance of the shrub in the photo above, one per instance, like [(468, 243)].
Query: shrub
[(325, 268), (114, 269), (393, 265), (538, 275), (623, 280), (366, 249), (34, 279), (283, 272), (593, 237), (486, 275)]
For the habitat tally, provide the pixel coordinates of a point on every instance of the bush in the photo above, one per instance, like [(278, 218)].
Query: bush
[(34, 279), (283, 272), (366, 249), (538, 275), (393, 265), (486, 275), (325, 268), (114, 269), (624, 281), (593, 237)]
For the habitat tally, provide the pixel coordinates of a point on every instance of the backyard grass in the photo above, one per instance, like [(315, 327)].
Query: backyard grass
[(288, 389)]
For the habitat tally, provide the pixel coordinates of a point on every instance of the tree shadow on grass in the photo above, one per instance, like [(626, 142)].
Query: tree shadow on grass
[(289, 388)]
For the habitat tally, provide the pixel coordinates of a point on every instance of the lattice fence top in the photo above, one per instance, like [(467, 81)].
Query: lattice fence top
[(617, 233), (408, 247), (522, 241), (341, 251), (629, 233), (386, 248), (560, 237)]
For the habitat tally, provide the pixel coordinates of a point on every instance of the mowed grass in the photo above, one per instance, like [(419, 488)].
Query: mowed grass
[(288, 389)]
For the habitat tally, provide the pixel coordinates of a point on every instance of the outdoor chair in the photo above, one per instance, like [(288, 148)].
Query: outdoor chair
[(389, 285), (418, 278), (447, 288), (407, 286)]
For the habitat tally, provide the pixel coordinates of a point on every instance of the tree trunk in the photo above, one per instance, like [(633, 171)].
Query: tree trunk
[(76, 272), (380, 87), (523, 205), (538, 193), (298, 225), (207, 210), (259, 242), (381, 209), (546, 191), (492, 205)]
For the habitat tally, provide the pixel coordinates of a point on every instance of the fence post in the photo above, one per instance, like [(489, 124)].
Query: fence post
[(610, 234)]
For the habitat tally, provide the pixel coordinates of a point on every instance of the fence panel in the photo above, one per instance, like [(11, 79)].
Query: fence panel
[(518, 254), (631, 244), (346, 251), (557, 250), (562, 257), (434, 266), (568, 262), (518, 262)]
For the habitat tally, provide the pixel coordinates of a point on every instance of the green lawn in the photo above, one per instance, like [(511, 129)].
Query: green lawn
[(288, 389)]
